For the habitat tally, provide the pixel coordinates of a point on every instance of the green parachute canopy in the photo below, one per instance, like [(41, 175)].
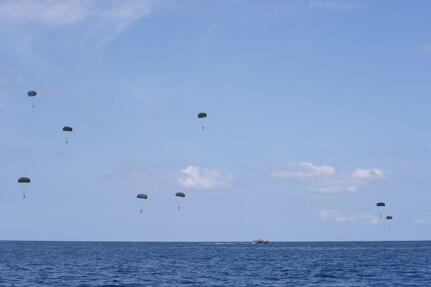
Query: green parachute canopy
[(202, 115), (142, 196), (380, 204), (31, 93), (23, 179), (67, 129), (180, 194)]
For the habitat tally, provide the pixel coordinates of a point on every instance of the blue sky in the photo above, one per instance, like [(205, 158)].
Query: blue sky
[(316, 111)]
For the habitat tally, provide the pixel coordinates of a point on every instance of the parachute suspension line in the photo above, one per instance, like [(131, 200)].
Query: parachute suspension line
[(379, 206), (24, 180), (32, 94), (141, 196), (202, 116), (179, 195), (389, 217), (67, 130)]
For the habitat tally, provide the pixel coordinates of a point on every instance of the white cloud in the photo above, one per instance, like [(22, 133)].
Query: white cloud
[(195, 177), (327, 214), (302, 170), (333, 4), (110, 14), (90, 22), (368, 174), (116, 17), (349, 217), (335, 185), (427, 47), (55, 12), (189, 177), (326, 179), (420, 221)]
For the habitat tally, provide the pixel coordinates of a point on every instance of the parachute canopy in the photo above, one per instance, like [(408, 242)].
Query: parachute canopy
[(31, 93), (142, 196), (67, 129), (202, 115), (23, 179), (180, 194), (380, 204), (388, 217)]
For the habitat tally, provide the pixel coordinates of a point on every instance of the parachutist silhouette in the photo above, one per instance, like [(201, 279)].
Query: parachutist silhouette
[(23, 196), (141, 196), (202, 116)]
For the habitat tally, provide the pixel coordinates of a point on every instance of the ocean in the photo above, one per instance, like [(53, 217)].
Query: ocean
[(27, 263)]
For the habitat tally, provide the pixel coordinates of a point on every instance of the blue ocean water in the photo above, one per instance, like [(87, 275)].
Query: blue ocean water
[(215, 264)]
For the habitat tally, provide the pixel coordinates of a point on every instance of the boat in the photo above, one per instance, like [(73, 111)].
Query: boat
[(259, 241)]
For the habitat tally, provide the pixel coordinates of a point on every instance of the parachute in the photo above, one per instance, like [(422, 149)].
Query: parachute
[(141, 196), (380, 204), (24, 180), (67, 129), (389, 217), (179, 194), (32, 94), (202, 116)]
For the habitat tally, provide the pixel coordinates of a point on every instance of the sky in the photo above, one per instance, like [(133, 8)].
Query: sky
[(317, 110)]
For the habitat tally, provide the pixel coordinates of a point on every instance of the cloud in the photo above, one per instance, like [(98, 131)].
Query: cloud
[(333, 4), (368, 174), (335, 185), (107, 17), (302, 170), (326, 179), (426, 47), (195, 177), (349, 217), (189, 177), (420, 221), (91, 23), (54, 12), (117, 17)]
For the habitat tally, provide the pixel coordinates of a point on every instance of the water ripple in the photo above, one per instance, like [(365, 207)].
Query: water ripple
[(89, 264)]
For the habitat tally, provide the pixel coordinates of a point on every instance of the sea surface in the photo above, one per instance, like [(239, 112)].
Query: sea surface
[(26, 263)]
